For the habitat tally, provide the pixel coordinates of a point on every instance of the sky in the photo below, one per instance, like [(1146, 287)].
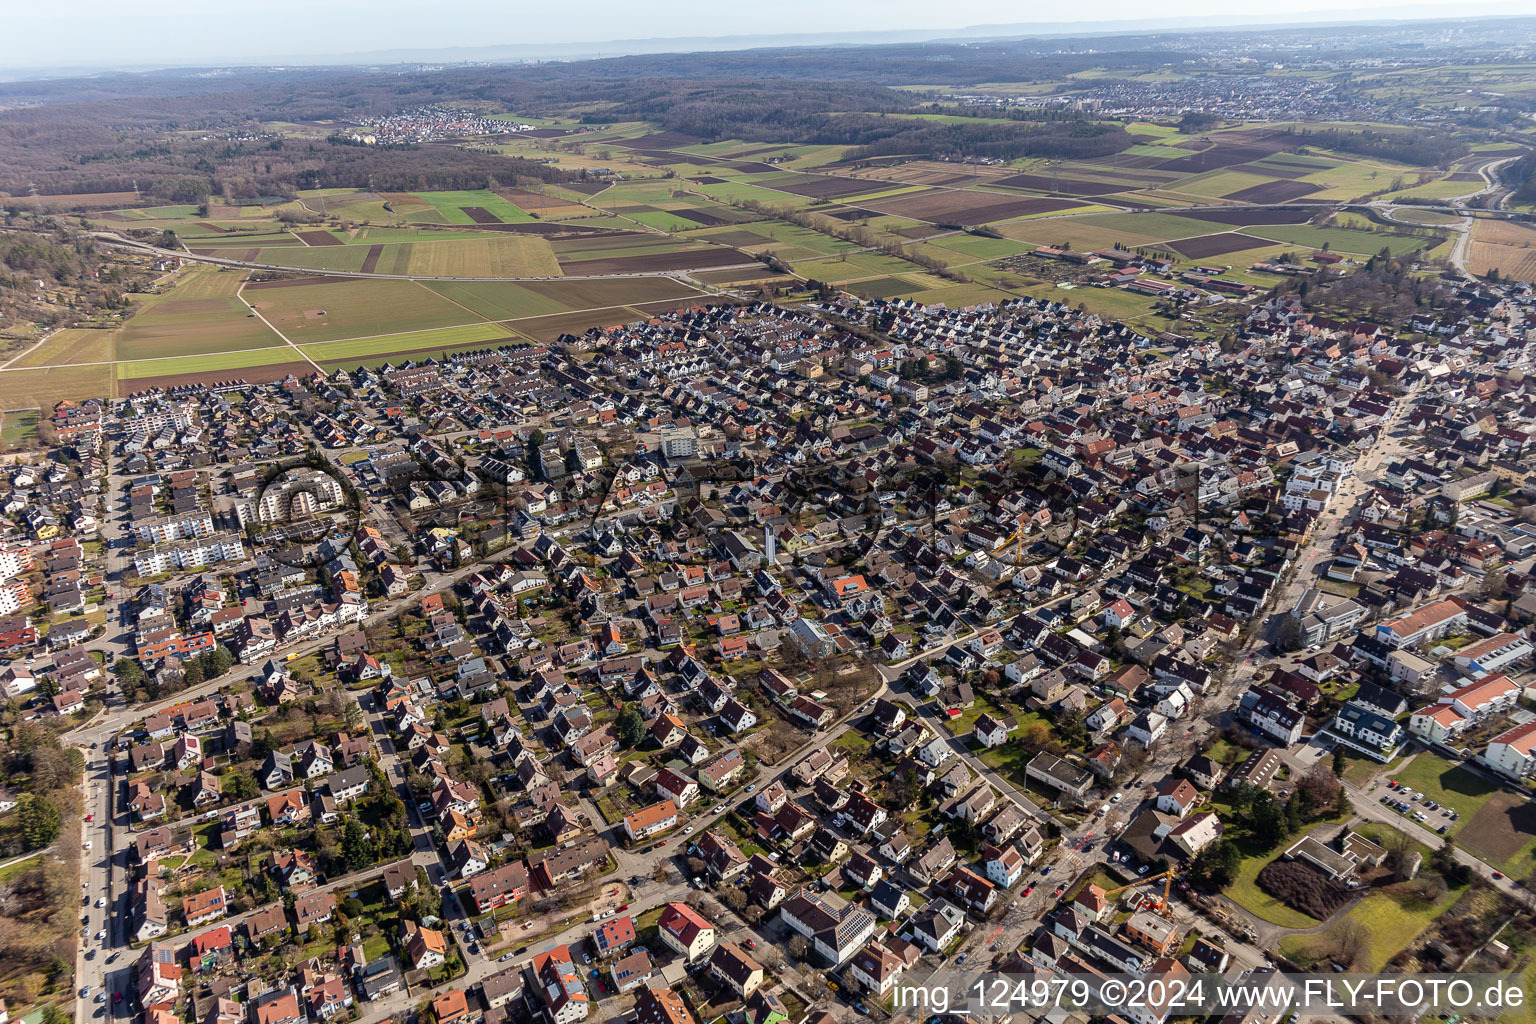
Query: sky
[(82, 35)]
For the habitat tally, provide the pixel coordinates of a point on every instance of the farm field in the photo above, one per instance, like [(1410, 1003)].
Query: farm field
[(451, 207), (1503, 246), (497, 301), (1349, 240), (1082, 233), (31, 388), (336, 308), (471, 335), (233, 363), (202, 313), (501, 256), (71, 346), (327, 257)]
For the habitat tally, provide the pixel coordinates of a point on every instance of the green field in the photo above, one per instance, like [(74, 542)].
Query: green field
[(1157, 225), (1215, 184), (449, 204), (1348, 240), (982, 248), (232, 361), (1494, 825), (319, 257)]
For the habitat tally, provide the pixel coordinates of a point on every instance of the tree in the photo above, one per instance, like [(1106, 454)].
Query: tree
[(1352, 942), (1216, 866), (239, 785), (798, 947), (1288, 634), (40, 820), (130, 675), (1340, 765), (631, 726), (356, 844), (1266, 819)]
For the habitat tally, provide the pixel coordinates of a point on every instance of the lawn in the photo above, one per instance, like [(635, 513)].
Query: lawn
[(1359, 769), (1245, 892), (1447, 784), (20, 428), (1392, 918)]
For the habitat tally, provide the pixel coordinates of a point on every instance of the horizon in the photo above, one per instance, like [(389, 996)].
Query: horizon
[(78, 43)]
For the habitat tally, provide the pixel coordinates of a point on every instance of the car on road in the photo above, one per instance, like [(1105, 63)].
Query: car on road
[(117, 997), (688, 831), (1115, 799), (719, 809), (504, 958), (623, 906), (751, 787), (1027, 890), (101, 902), (101, 935), (85, 991), (90, 817)]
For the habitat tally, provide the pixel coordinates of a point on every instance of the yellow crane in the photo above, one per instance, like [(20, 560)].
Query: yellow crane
[(1167, 879), (1016, 535)]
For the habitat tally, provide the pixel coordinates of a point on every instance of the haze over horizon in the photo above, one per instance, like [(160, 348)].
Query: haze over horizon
[(89, 36)]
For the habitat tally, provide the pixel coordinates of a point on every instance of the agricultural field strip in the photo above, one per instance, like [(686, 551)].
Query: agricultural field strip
[(334, 341)]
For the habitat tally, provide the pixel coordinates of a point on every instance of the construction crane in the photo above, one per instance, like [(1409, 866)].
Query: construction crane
[(1167, 880), (1016, 535)]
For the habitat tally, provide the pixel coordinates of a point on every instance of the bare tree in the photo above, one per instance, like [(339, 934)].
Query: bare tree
[(1352, 943)]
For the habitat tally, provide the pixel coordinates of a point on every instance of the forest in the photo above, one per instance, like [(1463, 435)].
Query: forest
[(178, 171), (1421, 148)]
